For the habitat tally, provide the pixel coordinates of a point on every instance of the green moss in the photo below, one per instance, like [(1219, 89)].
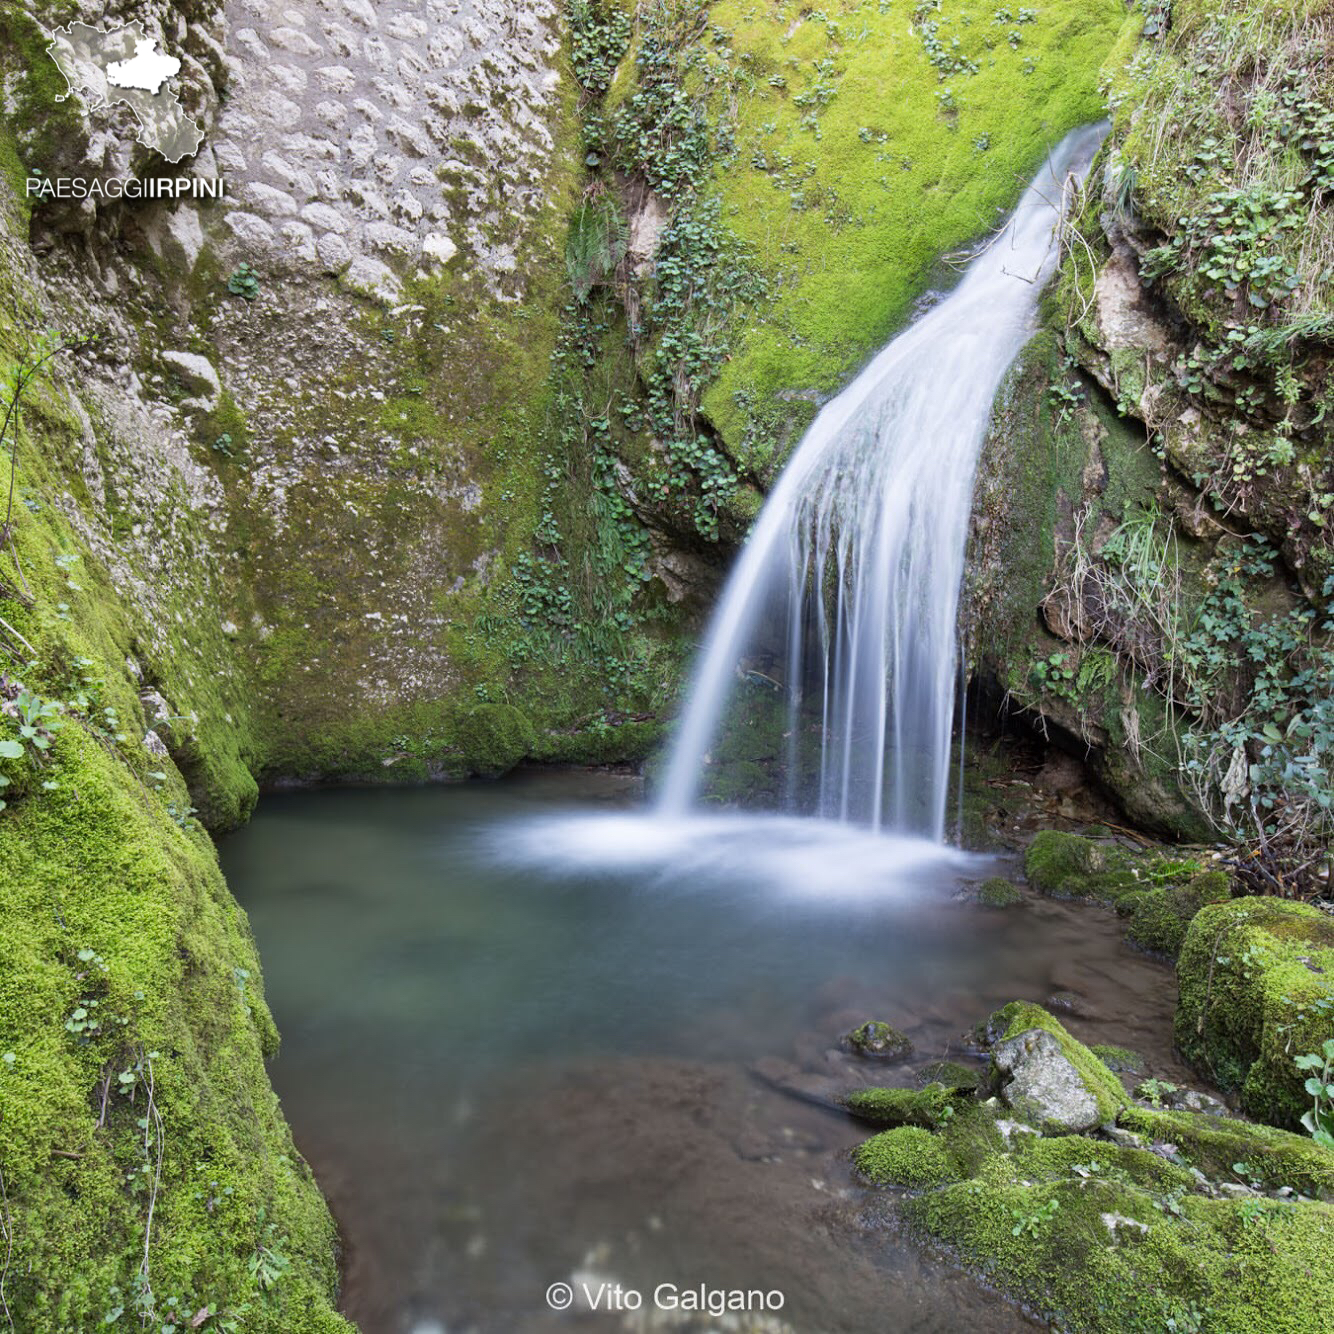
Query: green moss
[(603, 743), (489, 739), (907, 1156), (1216, 1144), (1119, 1059), (998, 893), (930, 1106), (104, 899), (1069, 866), (880, 1040), (1256, 980), (1160, 918), (1021, 1016), (849, 176), (1103, 1253), (953, 1075)]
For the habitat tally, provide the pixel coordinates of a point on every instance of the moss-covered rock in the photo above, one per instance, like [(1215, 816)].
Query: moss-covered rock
[(488, 739), (1155, 1222), (880, 1041), (1116, 1244), (1068, 866), (906, 1156), (1219, 1146), (929, 1106), (1046, 1074), (130, 989), (1160, 918), (998, 893), (1256, 980)]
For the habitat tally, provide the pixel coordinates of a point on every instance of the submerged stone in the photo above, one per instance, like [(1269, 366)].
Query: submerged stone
[(998, 893), (880, 1041)]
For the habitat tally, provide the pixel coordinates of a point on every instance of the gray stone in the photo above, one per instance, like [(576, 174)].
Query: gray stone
[(195, 373), (1044, 1086), (334, 253), (438, 250), (370, 278)]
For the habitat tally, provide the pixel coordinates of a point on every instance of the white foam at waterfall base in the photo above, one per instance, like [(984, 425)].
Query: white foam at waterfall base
[(737, 851), (845, 596)]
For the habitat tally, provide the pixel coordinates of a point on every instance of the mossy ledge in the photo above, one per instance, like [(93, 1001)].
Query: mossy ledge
[(1158, 1220)]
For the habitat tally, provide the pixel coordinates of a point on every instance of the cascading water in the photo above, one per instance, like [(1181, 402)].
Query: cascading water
[(837, 628)]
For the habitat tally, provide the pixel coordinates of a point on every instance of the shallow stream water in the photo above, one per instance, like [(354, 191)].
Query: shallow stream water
[(530, 1037)]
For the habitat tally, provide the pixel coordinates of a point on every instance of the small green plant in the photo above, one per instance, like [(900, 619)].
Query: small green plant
[(596, 244), (1031, 1224), (1319, 1121), (244, 283), (1187, 1320), (1054, 673), (1155, 1090), (269, 1265)]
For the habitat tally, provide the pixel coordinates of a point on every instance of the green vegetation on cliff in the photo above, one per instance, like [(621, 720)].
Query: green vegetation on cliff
[(147, 1172)]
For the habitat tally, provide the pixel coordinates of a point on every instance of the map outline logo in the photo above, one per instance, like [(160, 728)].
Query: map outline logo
[(105, 66)]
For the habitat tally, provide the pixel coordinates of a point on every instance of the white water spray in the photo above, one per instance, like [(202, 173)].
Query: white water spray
[(845, 596)]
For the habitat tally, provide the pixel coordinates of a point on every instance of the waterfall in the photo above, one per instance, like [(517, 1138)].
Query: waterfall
[(836, 633)]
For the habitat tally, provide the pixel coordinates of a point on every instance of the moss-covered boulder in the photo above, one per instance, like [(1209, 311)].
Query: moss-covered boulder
[(1047, 1077), (489, 739), (1111, 1240), (1256, 979), (1068, 866), (998, 893), (906, 1156), (879, 1041), (130, 1000), (1157, 1221), (1160, 918), (1163, 1226)]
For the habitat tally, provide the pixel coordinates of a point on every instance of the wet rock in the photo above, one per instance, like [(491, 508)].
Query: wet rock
[(1043, 1086), (1127, 1139), (997, 892), (952, 1074), (793, 1080), (1072, 1003), (1180, 1099), (879, 1041)]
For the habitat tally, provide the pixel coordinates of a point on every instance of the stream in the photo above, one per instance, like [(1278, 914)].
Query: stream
[(528, 1040)]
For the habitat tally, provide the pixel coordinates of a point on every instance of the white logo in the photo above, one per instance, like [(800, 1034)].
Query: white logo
[(105, 66)]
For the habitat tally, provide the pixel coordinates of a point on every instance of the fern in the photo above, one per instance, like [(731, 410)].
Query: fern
[(597, 243)]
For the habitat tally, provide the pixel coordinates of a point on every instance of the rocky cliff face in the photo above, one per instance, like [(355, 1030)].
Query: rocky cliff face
[(1161, 591)]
